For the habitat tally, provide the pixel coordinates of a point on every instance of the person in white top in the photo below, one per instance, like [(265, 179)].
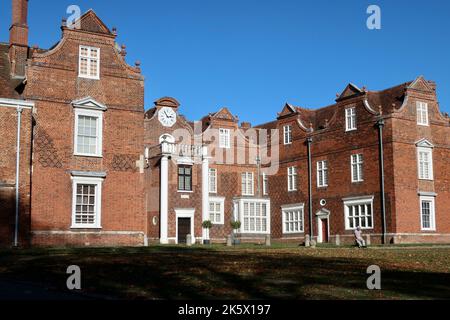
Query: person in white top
[(359, 239)]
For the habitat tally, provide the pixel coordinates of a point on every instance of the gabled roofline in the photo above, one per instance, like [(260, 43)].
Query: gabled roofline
[(102, 24), (419, 78), (351, 85)]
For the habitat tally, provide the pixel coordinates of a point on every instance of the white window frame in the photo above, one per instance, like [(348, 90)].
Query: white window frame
[(432, 202), (221, 202), (212, 179), (287, 134), (247, 183), (358, 202), (322, 167), (265, 184), (350, 119), (224, 138), (300, 208), (292, 179), (422, 113), (429, 152), (89, 59), (239, 214), (98, 201), (95, 114), (359, 167)]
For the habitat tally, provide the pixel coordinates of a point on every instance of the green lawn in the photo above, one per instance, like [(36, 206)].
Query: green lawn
[(244, 272)]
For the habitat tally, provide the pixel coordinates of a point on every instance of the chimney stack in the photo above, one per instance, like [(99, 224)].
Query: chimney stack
[(18, 32), (18, 37)]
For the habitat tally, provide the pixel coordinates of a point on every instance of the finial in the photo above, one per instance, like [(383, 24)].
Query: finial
[(123, 52), (64, 22), (114, 31), (137, 64), (34, 48), (380, 110), (326, 122)]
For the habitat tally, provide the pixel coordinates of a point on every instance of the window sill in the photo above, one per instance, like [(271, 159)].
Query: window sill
[(293, 233), (88, 228), (425, 179), (351, 130), (89, 78), (88, 155), (356, 182), (185, 191), (262, 233), (428, 230)]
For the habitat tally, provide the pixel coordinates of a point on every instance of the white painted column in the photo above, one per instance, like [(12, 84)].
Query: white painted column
[(205, 190), (164, 199)]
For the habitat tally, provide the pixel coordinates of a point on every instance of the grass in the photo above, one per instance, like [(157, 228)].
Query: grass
[(242, 272)]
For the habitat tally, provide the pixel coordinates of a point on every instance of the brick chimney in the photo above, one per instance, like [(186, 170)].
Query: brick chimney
[(18, 32), (18, 37), (246, 125)]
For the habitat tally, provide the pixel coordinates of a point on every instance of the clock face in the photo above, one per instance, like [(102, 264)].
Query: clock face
[(167, 117)]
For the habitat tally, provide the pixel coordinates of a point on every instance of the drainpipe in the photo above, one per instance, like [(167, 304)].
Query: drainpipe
[(19, 105), (380, 125), (16, 228), (309, 141), (258, 163)]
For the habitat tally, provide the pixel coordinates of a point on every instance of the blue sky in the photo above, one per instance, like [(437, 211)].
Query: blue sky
[(253, 56)]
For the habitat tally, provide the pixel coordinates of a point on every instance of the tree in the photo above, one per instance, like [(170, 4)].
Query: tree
[(207, 224)]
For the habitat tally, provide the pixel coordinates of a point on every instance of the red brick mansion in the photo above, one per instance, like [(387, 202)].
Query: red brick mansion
[(83, 164)]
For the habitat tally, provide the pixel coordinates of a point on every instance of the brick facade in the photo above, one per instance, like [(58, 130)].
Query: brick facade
[(54, 84), (57, 90)]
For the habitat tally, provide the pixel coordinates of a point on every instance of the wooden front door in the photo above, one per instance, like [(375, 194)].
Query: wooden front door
[(324, 230), (184, 228)]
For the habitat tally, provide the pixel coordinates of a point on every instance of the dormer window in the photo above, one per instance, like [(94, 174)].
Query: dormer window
[(422, 114), (350, 119), (224, 138), (89, 63), (287, 133)]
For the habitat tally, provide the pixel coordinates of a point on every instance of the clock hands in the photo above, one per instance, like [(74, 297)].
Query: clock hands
[(168, 116)]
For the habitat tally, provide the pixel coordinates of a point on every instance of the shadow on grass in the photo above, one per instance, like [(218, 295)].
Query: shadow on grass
[(208, 273)]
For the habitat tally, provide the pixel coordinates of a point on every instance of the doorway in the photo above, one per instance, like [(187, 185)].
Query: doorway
[(323, 226), (324, 232), (184, 228), (184, 225)]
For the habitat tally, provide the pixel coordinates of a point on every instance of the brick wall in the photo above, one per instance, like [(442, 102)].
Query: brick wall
[(8, 132), (53, 83)]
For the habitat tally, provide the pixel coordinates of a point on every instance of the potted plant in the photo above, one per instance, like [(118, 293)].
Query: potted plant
[(207, 224), (235, 225)]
